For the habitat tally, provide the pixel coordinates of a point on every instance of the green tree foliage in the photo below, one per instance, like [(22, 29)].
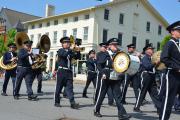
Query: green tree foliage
[(9, 39), (164, 41)]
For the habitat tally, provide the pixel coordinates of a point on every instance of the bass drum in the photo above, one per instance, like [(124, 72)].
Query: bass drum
[(134, 65), (124, 63), (121, 62)]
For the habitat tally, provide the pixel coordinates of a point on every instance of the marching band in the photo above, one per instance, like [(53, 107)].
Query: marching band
[(103, 71)]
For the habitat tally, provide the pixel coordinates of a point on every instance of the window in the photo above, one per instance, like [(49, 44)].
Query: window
[(33, 26), (39, 37), (55, 22), (105, 35), (32, 37), (40, 25), (134, 39), (65, 20), (76, 19), (121, 18), (158, 45), (148, 26), (106, 14), (74, 32), (147, 42), (120, 38), (85, 37), (86, 16), (159, 30), (48, 24), (64, 33), (55, 37)]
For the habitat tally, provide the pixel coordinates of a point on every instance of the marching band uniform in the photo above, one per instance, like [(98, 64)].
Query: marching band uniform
[(91, 73), (128, 78), (65, 74), (170, 56), (9, 73), (37, 73), (101, 55), (106, 63), (24, 70), (147, 81)]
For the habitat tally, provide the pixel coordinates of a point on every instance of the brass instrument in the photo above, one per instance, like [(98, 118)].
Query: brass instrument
[(9, 66), (155, 59), (44, 46), (19, 39), (76, 42)]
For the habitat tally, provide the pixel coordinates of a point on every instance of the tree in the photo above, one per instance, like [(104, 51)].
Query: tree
[(164, 41), (10, 36)]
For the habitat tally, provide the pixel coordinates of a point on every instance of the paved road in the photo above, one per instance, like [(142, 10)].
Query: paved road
[(43, 109)]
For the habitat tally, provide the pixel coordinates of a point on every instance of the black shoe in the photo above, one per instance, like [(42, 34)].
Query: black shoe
[(137, 110), (40, 92), (177, 109), (124, 102), (145, 102), (65, 96), (16, 97), (75, 106), (97, 114), (32, 98), (112, 104), (4, 94), (57, 105), (84, 96), (124, 117)]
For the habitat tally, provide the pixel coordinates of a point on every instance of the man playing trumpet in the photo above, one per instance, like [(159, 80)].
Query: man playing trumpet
[(64, 72)]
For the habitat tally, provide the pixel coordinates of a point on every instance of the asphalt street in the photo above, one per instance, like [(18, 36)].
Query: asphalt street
[(44, 109)]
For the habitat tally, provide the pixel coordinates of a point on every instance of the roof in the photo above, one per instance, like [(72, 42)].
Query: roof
[(14, 16), (145, 3)]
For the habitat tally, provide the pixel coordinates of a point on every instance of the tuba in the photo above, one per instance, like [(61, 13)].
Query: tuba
[(9, 66), (44, 46), (19, 39)]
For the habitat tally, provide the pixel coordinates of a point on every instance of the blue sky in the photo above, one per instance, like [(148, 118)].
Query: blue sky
[(169, 9)]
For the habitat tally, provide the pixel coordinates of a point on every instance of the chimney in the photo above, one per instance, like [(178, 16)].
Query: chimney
[(50, 10)]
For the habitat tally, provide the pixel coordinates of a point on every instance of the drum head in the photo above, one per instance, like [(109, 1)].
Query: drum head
[(121, 62)]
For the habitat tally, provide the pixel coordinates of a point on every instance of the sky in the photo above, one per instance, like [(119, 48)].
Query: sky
[(169, 9)]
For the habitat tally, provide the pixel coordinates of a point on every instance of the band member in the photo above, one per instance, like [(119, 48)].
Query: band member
[(147, 79), (100, 55), (24, 70), (91, 71), (170, 56), (10, 56), (131, 78), (37, 73), (106, 82), (64, 72)]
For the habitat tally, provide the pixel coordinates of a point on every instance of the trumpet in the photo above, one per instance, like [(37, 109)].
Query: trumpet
[(75, 43)]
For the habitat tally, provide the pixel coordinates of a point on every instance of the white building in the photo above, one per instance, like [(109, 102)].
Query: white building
[(132, 21)]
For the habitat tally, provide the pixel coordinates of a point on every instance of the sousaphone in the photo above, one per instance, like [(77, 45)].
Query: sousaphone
[(44, 46)]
